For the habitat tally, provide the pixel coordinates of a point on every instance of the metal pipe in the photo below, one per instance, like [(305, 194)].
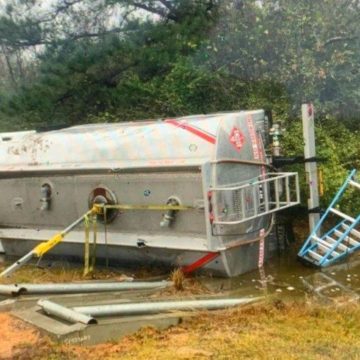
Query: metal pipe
[(147, 207), (44, 247), (157, 307), (169, 217), (8, 271), (77, 222), (13, 289), (75, 288), (65, 313)]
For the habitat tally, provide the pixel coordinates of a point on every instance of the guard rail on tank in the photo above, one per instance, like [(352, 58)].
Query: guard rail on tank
[(257, 197)]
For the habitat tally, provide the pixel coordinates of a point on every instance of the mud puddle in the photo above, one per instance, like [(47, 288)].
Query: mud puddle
[(283, 275), (290, 279)]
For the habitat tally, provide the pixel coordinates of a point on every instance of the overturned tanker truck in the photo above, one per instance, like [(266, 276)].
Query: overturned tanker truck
[(213, 168)]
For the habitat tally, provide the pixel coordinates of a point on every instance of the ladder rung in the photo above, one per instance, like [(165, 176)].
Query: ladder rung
[(333, 241), (354, 183), (351, 241), (326, 244), (314, 237), (341, 214), (347, 238), (341, 240), (315, 255), (326, 248), (353, 231)]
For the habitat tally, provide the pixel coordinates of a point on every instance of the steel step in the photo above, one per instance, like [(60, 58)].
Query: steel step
[(315, 255), (322, 251), (341, 214), (340, 246), (341, 240), (353, 231), (347, 239), (326, 247), (355, 184)]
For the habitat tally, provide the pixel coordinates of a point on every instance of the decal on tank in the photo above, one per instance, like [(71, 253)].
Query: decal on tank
[(237, 138)]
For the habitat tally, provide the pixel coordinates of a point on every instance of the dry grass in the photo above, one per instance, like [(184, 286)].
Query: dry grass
[(58, 274), (275, 330), (178, 278), (31, 274)]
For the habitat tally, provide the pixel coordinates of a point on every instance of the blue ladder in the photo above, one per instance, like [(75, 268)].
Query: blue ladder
[(342, 240)]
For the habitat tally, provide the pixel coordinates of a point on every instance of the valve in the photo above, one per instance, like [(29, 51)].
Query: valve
[(100, 197), (169, 217), (276, 132)]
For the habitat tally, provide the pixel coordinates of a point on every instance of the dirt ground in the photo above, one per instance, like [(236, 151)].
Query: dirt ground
[(275, 330), (15, 333)]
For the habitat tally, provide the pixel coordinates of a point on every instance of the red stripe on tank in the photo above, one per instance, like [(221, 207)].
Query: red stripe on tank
[(192, 129), (200, 263)]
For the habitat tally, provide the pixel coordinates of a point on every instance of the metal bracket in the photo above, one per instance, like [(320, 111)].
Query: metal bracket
[(280, 161)]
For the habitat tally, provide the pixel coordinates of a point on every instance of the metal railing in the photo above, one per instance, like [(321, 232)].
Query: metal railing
[(255, 198)]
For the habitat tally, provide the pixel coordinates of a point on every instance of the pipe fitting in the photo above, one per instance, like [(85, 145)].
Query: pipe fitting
[(169, 217), (98, 199)]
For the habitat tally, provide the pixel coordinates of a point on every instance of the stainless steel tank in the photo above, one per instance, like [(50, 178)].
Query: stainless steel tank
[(215, 164)]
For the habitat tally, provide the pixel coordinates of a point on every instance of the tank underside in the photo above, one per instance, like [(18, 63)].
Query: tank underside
[(230, 262)]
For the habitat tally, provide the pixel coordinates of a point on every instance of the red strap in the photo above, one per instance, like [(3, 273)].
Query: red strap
[(196, 131), (188, 269)]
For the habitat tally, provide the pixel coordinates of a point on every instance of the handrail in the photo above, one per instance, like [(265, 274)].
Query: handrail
[(266, 205), (257, 181), (341, 238), (334, 201)]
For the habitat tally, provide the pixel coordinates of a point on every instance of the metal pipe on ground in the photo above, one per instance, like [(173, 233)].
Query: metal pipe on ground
[(65, 313), (12, 290), (74, 288), (157, 307)]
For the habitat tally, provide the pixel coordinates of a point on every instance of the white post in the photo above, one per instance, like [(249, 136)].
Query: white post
[(307, 111)]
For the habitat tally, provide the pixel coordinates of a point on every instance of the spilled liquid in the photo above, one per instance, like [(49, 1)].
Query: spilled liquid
[(288, 278), (285, 277)]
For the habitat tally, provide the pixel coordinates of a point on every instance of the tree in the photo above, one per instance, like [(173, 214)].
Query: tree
[(91, 70), (156, 58), (311, 49)]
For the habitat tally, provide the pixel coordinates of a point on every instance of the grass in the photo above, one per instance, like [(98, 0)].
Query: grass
[(70, 272), (271, 330), (274, 330), (58, 274), (178, 278), (182, 288)]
